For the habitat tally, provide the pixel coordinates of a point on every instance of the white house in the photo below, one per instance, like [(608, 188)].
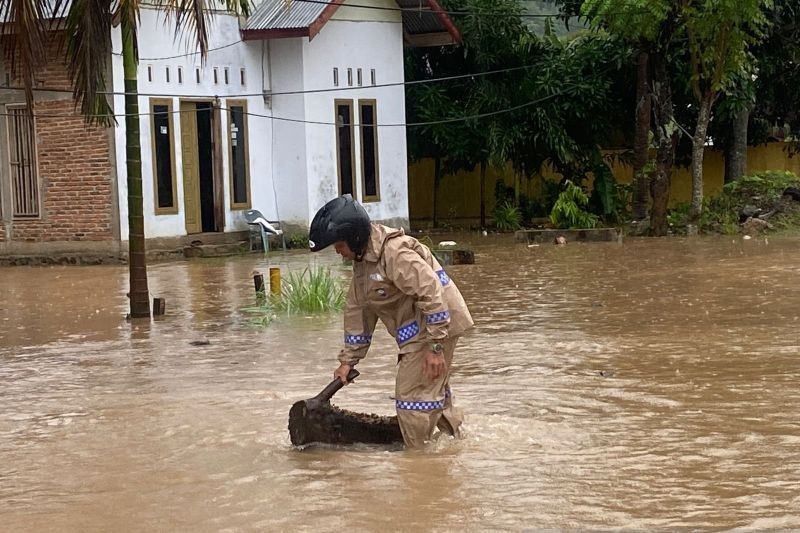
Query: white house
[(300, 102)]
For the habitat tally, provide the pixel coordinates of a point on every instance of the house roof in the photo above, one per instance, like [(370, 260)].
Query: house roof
[(424, 24)]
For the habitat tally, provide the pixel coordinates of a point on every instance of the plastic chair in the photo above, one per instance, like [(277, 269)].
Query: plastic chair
[(265, 228)]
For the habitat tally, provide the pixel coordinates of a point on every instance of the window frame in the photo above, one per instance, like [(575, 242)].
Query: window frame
[(232, 199), (336, 103), (375, 144), (154, 163), (39, 203)]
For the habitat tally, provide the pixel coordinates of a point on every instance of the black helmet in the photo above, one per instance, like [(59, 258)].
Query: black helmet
[(341, 219)]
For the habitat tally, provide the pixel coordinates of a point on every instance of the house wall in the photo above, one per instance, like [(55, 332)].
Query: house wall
[(160, 43), (75, 171), (288, 150), (366, 45)]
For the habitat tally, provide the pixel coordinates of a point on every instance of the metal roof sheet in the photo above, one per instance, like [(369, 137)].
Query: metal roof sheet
[(301, 14), (280, 14)]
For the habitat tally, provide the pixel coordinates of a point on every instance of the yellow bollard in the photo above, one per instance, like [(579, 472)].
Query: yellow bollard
[(275, 281)]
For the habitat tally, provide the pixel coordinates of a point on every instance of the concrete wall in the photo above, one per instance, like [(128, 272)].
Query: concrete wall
[(289, 145), (366, 45), (459, 195)]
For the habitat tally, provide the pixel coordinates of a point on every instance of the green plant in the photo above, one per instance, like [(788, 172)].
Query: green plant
[(314, 290), (311, 291), (297, 241), (760, 191), (568, 211), (678, 216), (507, 217)]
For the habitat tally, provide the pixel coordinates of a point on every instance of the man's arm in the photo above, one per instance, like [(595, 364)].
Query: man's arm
[(359, 325)]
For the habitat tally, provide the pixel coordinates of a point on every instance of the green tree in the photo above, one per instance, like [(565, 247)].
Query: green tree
[(720, 34), (764, 105), (88, 47), (637, 24), (460, 142)]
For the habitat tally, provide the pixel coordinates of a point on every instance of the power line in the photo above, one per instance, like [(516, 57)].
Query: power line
[(290, 93), (141, 59), (314, 122), (417, 10)]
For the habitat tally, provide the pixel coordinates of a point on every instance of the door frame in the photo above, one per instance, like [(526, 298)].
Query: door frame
[(217, 167)]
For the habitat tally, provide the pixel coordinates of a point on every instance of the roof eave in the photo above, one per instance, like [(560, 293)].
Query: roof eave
[(275, 33), (446, 21)]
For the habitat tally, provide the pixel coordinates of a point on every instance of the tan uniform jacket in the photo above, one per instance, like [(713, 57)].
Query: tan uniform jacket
[(401, 282)]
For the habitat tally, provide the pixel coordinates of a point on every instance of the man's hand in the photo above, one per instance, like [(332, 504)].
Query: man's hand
[(433, 366), (342, 372)]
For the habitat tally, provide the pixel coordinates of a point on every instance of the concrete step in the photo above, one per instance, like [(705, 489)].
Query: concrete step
[(216, 250)]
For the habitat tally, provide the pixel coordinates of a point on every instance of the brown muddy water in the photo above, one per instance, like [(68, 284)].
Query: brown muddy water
[(649, 385)]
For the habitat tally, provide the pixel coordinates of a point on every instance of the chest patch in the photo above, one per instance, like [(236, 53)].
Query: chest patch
[(375, 277)]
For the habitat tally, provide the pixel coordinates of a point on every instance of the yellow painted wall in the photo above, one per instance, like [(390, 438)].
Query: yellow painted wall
[(459, 195)]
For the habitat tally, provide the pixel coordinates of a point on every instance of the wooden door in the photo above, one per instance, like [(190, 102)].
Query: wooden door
[(191, 167)]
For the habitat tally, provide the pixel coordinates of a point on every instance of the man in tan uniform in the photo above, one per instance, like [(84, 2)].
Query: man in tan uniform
[(398, 280)]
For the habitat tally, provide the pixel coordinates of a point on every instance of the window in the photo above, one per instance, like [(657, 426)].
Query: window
[(167, 76), (335, 77), (240, 175), (149, 73), (216, 75), (197, 75), (372, 76), (369, 151), (227, 75), (22, 160), (180, 74), (360, 78), (344, 146), (242, 79), (349, 77), (164, 184)]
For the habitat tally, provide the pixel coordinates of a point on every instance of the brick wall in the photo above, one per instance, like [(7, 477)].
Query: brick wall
[(54, 74), (75, 170)]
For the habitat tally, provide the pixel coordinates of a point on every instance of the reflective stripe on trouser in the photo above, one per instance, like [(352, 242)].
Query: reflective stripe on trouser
[(423, 405)]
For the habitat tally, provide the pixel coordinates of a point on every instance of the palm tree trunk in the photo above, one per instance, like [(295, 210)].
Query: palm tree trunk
[(483, 194), (641, 140), (139, 295), (698, 152)]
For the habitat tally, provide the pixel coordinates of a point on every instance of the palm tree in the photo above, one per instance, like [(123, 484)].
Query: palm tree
[(87, 28)]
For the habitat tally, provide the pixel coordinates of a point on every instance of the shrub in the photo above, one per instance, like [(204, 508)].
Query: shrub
[(507, 217), (568, 211)]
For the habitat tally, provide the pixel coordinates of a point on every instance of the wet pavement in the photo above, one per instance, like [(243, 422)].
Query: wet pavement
[(651, 384)]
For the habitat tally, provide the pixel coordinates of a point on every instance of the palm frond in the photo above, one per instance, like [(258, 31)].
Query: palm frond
[(25, 37), (88, 40), (194, 17), (191, 16)]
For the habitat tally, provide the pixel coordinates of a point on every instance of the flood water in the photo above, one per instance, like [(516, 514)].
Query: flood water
[(648, 385)]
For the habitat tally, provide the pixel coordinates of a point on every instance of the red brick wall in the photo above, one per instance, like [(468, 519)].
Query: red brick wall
[(75, 170), (54, 74)]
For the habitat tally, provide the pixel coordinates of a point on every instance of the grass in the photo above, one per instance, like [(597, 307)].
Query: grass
[(312, 291)]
